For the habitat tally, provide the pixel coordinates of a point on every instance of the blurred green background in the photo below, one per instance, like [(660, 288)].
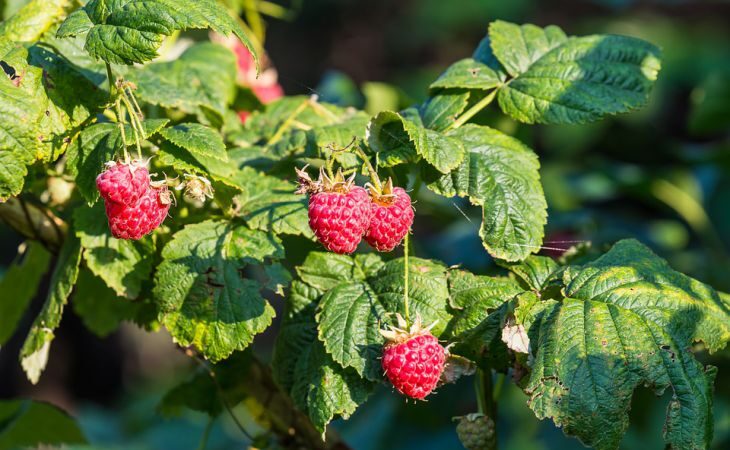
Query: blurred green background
[(661, 175)]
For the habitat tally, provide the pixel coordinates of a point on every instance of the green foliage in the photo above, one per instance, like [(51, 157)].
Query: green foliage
[(128, 32), (627, 320), (38, 109), (571, 80), (34, 354), (202, 81), (123, 265), (596, 331), (19, 285), (501, 175), (28, 424), (203, 295)]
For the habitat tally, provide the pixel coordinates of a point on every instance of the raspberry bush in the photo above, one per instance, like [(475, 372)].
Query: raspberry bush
[(172, 204)]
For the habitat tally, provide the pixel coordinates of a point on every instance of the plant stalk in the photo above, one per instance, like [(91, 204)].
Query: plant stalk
[(406, 270), (471, 112)]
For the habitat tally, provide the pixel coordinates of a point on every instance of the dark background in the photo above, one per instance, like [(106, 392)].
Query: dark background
[(661, 175)]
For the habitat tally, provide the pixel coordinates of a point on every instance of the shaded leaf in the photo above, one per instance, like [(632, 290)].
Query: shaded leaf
[(19, 285), (34, 354), (203, 296)]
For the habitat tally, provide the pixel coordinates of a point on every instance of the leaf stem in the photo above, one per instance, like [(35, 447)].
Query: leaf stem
[(135, 122), (485, 393), (471, 112), (285, 125), (406, 270), (206, 434), (110, 77), (120, 120), (371, 170)]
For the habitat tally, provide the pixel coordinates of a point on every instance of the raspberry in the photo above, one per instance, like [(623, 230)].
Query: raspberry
[(413, 360), (391, 216), (476, 432), (123, 183), (339, 212), (140, 219)]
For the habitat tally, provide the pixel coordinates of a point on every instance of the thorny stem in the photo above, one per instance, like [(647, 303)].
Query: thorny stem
[(371, 170), (406, 270), (134, 119), (120, 121), (471, 112)]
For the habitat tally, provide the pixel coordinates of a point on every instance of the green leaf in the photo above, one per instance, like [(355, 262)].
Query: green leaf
[(32, 20), (31, 424), (96, 145), (517, 47), (34, 354), (324, 271), (41, 99), (199, 140), (127, 32), (350, 317), (204, 299), (501, 175), (359, 291), (571, 80), (442, 109), (268, 203), (317, 384), (78, 22), (204, 393), (630, 321), (123, 265), (201, 81), (324, 389), (19, 285), (98, 306), (428, 290), (390, 131), (468, 74), (473, 299), (535, 271), (633, 277), (193, 147)]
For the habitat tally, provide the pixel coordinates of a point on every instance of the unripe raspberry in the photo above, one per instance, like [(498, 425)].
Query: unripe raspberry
[(413, 360), (140, 219), (391, 217), (339, 211), (476, 432), (123, 183)]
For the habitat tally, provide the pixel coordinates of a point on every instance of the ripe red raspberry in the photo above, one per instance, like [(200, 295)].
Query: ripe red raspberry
[(391, 217), (413, 360), (339, 211), (123, 183), (140, 219)]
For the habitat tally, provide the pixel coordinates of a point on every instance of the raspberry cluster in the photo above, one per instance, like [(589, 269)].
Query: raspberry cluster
[(134, 205), (341, 213)]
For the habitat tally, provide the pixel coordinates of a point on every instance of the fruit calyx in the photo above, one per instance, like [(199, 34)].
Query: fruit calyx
[(325, 183), (384, 196), (402, 333)]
